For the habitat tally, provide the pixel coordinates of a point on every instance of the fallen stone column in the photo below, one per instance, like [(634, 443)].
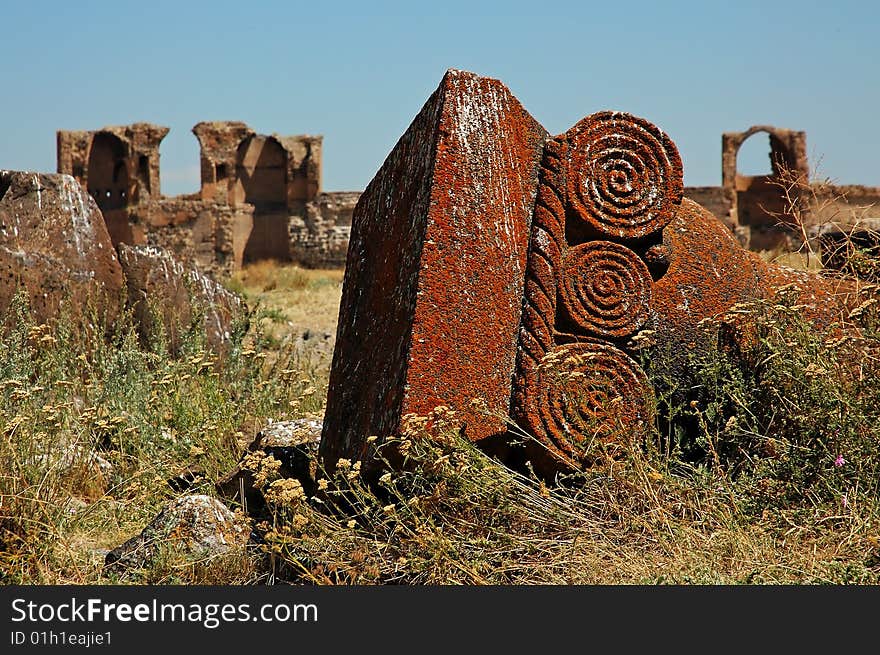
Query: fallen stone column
[(488, 262)]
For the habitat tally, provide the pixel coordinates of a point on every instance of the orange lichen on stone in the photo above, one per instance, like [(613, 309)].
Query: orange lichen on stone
[(624, 176), (538, 276), (710, 273), (432, 294)]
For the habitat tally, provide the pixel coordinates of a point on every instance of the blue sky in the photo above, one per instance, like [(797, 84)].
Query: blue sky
[(357, 72)]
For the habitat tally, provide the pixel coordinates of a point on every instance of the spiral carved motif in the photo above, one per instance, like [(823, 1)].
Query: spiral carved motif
[(591, 391), (606, 289), (624, 175)]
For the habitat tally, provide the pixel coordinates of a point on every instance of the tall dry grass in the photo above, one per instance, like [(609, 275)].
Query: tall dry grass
[(769, 475)]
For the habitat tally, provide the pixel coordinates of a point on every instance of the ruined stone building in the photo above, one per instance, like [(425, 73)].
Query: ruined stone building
[(260, 196), (762, 209)]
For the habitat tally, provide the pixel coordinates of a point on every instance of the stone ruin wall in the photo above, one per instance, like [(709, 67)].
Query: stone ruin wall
[(210, 235), (754, 207), (319, 231), (260, 196)]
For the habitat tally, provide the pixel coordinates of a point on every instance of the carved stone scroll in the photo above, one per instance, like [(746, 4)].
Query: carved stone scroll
[(606, 289), (624, 175), (607, 188)]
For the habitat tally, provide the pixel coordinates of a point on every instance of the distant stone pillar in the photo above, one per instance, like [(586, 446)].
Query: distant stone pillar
[(219, 142), (73, 153)]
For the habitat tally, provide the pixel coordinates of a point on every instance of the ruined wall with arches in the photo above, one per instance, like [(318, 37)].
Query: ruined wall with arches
[(260, 195), (118, 166), (766, 204), (784, 206)]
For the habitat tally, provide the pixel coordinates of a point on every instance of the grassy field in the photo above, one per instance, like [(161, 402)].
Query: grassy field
[(774, 481), (295, 299)]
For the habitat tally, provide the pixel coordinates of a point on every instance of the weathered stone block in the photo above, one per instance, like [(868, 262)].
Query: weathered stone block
[(54, 244), (618, 272), (167, 295), (293, 443), (432, 295)]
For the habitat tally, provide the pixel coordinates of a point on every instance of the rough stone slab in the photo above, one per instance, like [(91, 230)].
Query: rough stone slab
[(196, 527), (432, 296), (54, 244), (165, 292)]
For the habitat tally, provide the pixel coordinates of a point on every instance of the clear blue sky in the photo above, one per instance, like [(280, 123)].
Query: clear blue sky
[(357, 72)]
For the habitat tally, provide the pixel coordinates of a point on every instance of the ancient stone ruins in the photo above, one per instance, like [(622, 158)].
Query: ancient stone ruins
[(56, 249), (501, 272), (260, 195), (785, 207)]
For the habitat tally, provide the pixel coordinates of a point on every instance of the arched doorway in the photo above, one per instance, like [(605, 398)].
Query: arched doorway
[(110, 184), (767, 185), (261, 174)]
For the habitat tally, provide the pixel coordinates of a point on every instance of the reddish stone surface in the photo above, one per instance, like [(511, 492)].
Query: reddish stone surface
[(55, 245), (432, 295), (614, 271), (616, 250), (606, 289), (588, 392)]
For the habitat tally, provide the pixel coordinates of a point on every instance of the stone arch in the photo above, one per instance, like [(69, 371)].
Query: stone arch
[(781, 157), (261, 168), (753, 158), (108, 175), (261, 180), (758, 202)]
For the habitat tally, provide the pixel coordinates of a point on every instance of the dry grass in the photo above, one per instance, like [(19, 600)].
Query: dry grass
[(151, 416), (703, 505), (457, 517), (296, 299)]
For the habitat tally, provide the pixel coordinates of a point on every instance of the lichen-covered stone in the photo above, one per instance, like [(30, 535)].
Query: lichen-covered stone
[(194, 527), (54, 244), (616, 275), (432, 293), (616, 255)]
